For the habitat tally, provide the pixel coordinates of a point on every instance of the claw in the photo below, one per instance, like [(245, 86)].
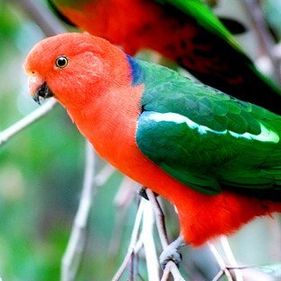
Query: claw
[(171, 253)]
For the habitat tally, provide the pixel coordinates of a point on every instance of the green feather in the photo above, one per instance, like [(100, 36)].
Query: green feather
[(205, 138)]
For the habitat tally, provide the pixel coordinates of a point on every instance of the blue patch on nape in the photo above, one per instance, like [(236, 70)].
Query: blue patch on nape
[(137, 73)]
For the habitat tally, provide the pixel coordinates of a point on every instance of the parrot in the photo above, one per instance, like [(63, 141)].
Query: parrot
[(212, 156), (186, 32)]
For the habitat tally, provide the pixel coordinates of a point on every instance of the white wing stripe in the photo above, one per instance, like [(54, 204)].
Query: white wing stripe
[(266, 135)]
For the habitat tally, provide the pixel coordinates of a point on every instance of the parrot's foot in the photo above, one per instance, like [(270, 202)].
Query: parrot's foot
[(171, 252)]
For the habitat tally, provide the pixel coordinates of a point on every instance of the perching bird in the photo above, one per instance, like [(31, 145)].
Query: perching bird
[(216, 158), (186, 32)]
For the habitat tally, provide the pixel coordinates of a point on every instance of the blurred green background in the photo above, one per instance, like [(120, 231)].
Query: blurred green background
[(41, 175)]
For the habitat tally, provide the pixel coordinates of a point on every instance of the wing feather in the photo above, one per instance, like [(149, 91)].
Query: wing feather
[(205, 138)]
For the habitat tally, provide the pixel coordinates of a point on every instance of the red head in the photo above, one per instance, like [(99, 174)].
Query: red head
[(74, 68)]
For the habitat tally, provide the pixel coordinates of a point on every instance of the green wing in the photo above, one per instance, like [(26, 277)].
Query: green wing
[(207, 139)]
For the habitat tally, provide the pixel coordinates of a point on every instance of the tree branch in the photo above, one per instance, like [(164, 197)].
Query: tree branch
[(122, 201), (73, 254), (148, 242), (160, 222), (231, 259), (135, 243), (221, 263), (17, 127), (76, 245), (171, 268), (50, 26), (160, 219)]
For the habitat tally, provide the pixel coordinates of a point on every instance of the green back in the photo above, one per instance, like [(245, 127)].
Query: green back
[(205, 138)]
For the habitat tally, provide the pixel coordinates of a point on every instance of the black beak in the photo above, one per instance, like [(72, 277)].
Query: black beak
[(43, 92)]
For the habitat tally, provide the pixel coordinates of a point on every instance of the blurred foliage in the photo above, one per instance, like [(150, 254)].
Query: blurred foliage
[(41, 178)]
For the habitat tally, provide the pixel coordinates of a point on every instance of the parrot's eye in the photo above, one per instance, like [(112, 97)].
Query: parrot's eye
[(62, 61)]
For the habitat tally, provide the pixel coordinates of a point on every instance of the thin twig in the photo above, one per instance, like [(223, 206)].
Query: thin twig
[(160, 222), (218, 276), (172, 269), (135, 244), (76, 245), (122, 201), (166, 273), (231, 259), (221, 263), (50, 26), (137, 263), (175, 272), (132, 265), (17, 127), (149, 243), (103, 175), (255, 275), (138, 246), (126, 193)]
